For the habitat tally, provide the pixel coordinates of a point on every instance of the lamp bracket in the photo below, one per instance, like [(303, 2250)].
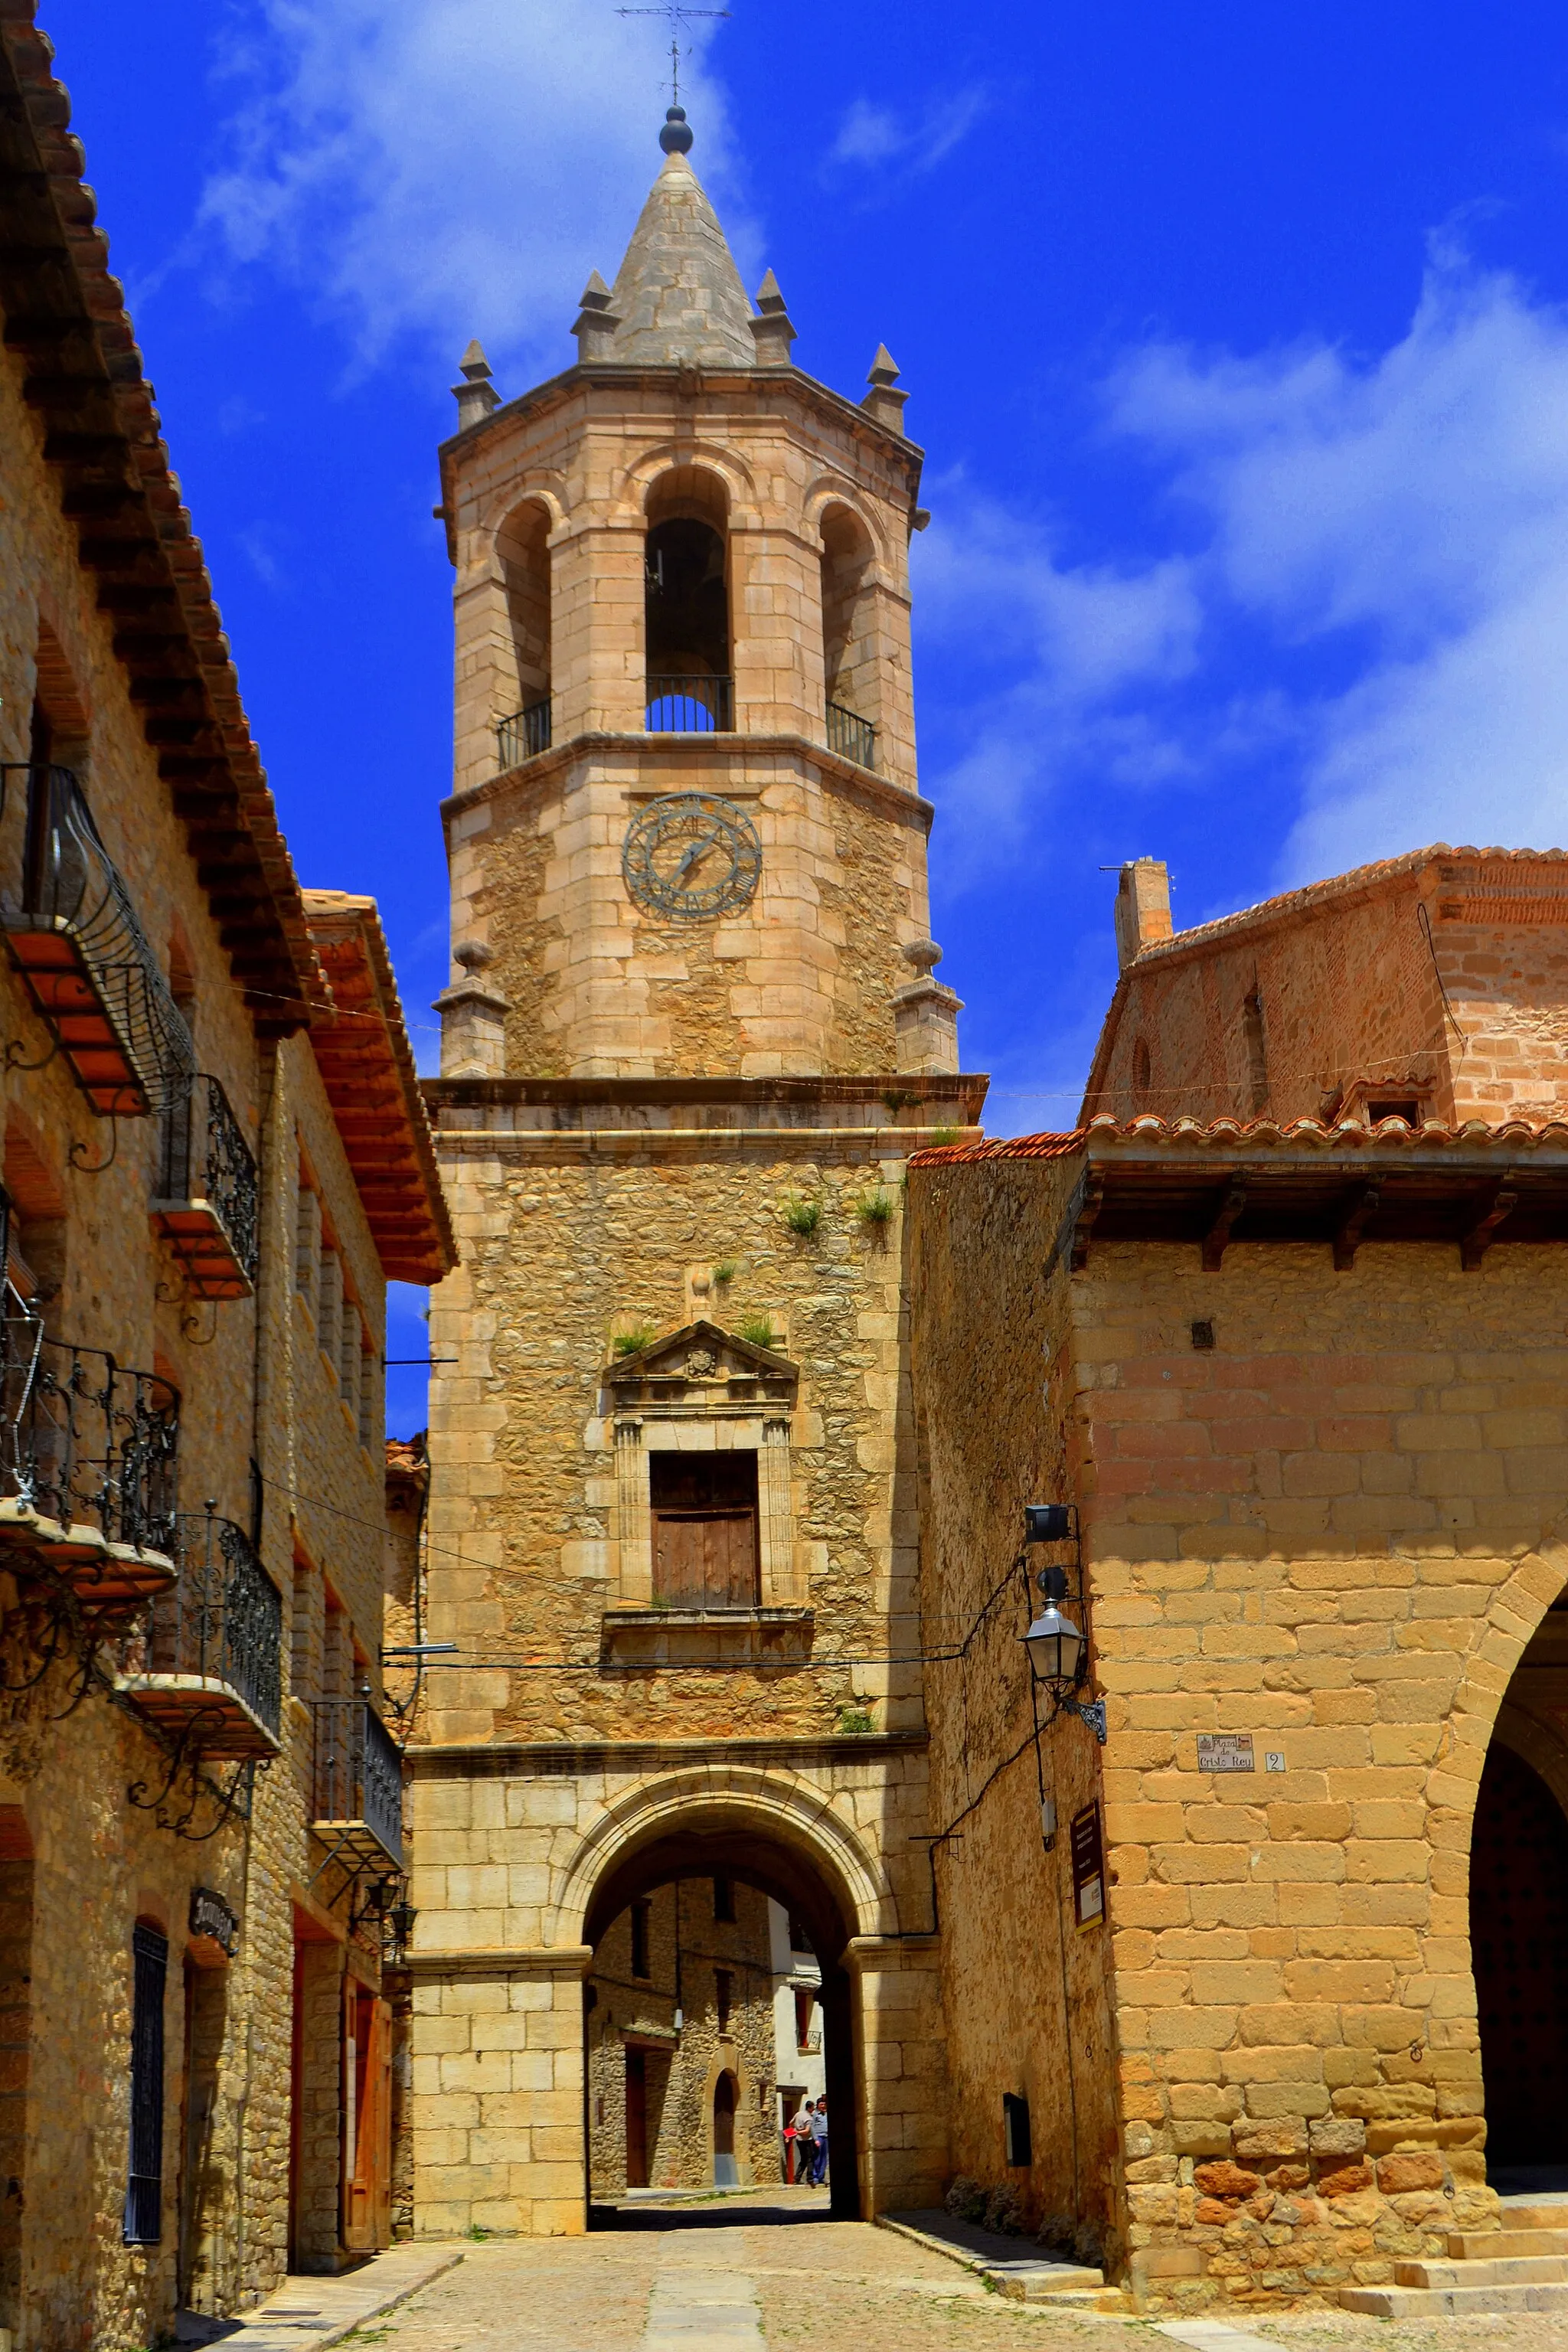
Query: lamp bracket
[(1087, 1711)]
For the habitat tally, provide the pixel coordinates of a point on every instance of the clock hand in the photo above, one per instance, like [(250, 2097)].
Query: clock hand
[(698, 849)]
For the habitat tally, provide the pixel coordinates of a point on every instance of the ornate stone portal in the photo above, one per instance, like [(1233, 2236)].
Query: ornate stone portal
[(672, 1518)]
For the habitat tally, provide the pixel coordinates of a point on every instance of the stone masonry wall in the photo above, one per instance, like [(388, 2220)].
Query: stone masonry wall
[(800, 980), (562, 1248), (1027, 1992), (1335, 1530)]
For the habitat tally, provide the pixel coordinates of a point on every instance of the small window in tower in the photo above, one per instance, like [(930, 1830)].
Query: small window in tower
[(723, 1997), (724, 1896), (705, 1552), (639, 1923)]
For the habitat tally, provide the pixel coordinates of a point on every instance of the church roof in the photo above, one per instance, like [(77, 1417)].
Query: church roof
[(677, 295)]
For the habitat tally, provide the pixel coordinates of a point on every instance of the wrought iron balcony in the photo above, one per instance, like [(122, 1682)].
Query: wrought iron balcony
[(87, 961), (358, 1804), (208, 1672), (524, 735), (690, 705), (852, 737), (88, 1453), (208, 1201)]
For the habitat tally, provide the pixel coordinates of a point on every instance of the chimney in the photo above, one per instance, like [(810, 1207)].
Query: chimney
[(476, 395), (1142, 907)]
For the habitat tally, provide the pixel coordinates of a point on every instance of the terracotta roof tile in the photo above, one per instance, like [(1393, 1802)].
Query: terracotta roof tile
[(1512, 1135)]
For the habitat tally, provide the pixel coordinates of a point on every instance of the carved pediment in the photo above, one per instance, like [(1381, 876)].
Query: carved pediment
[(702, 1358)]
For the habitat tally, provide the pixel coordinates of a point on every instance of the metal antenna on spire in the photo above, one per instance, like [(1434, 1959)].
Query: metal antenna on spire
[(676, 16)]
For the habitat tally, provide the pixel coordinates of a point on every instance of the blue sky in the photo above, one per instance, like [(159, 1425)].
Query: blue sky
[(1236, 336)]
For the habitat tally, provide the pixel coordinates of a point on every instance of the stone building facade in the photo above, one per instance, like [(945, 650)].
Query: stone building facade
[(691, 1035), (197, 1241), (1303, 1384), (681, 2061)]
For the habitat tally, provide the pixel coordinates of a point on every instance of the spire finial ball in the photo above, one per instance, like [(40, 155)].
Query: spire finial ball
[(676, 136)]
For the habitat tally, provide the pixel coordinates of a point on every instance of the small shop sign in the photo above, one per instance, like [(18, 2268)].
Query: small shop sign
[(213, 1922)]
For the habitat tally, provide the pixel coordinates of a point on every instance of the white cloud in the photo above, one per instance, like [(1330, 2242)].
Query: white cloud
[(448, 167), (872, 134), (1379, 546), (1053, 655), (1411, 511)]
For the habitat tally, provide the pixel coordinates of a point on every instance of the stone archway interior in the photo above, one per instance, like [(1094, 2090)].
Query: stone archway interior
[(678, 1930), (1519, 1943)]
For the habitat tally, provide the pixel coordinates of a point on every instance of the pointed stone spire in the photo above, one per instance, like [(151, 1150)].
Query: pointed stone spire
[(882, 401), (476, 395), (596, 322), (772, 331), (678, 296)]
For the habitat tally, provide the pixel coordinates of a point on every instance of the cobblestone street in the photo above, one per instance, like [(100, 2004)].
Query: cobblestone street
[(712, 2279)]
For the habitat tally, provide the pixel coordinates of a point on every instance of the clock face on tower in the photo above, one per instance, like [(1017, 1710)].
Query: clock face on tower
[(691, 855)]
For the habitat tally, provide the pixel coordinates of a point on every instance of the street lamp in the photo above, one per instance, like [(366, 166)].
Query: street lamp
[(1058, 1655)]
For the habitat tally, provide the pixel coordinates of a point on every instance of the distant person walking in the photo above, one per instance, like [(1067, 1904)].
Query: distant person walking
[(791, 2136), (819, 2143)]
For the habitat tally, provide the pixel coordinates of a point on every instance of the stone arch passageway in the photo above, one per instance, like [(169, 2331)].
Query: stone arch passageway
[(721, 1994)]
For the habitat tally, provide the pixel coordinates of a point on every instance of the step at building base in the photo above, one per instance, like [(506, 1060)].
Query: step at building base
[(1451, 2303)]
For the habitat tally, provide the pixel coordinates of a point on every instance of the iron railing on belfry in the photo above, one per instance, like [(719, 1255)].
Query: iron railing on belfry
[(71, 884), (690, 705), (222, 1620), (852, 737), (83, 1439), (524, 735), (359, 1772), (205, 1157)]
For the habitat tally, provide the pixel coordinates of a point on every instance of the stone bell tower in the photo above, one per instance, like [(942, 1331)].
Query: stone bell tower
[(692, 1033)]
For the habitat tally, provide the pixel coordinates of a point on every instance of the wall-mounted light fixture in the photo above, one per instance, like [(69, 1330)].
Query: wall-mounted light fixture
[(1059, 1652)]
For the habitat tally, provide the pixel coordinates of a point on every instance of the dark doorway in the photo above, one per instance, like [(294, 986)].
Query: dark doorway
[(636, 2119), (705, 1549), (724, 2173), (1518, 1947)]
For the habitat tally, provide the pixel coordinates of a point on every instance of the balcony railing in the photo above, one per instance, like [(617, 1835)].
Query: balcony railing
[(88, 1454), (690, 705), (358, 1803), (524, 735), (852, 737), (209, 1672), (87, 961), (208, 1201)]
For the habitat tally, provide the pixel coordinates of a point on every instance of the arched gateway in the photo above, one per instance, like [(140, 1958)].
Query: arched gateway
[(692, 1035)]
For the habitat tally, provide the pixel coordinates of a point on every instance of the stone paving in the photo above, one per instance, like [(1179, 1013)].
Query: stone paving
[(782, 2277)]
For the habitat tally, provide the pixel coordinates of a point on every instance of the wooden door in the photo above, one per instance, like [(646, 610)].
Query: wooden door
[(636, 2119), (367, 2123)]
